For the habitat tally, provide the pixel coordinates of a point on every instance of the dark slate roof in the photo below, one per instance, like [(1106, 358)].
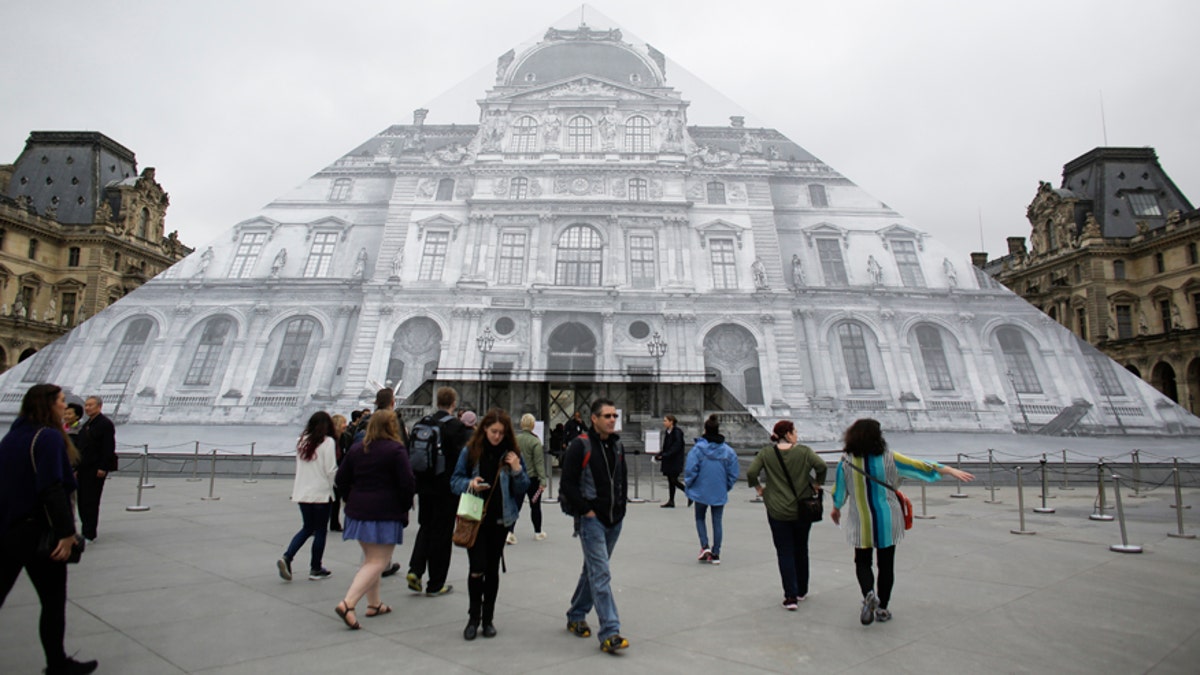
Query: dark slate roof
[(70, 169), (1109, 181), (562, 60)]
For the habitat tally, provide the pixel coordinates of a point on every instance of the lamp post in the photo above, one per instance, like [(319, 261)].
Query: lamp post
[(1103, 384), (657, 347), (484, 342), (1020, 406)]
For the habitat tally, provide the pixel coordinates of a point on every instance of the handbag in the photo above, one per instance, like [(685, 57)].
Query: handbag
[(906, 506), (812, 509), (470, 506), (466, 527), (47, 541)]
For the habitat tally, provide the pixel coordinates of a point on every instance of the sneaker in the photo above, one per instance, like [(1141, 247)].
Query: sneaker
[(705, 555), (714, 559), (511, 539), (882, 615), (579, 628), (391, 570), (72, 667), (318, 575), (869, 605), (539, 536), (613, 644), (414, 582), (791, 604), (445, 589), (285, 568)]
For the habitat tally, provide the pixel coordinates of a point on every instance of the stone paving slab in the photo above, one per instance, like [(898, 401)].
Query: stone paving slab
[(191, 587)]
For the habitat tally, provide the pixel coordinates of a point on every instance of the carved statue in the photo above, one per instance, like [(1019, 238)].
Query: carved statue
[(551, 125), (750, 144), (54, 307), (670, 131), (1143, 326), (454, 153), (360, 264), (798, 279), (19, 307), (608, 128), (1176, 316), (4, 309), (205, 261), (772, 152), (278, 263), (492, 129), (397, 262), (1091, 228), (66, 318), (759, 270), (950, 272), (104, 212), (875, 271), (1112, 329)]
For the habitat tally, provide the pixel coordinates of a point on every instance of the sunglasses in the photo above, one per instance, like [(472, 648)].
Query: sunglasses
[(610, 416)]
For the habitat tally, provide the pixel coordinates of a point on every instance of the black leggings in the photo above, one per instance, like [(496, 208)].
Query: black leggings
[(50, 581), (483, 584), (887, 572)]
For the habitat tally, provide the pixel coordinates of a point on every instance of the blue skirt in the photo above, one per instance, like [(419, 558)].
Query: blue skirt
[(373, 531)]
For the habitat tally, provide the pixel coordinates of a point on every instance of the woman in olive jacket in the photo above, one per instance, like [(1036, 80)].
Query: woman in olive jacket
[(785, 460)]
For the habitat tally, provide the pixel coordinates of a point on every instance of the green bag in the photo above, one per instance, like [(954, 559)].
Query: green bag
[(470, 507)]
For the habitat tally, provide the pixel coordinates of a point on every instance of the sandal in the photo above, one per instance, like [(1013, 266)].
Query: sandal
[(344, 611), (376, 610)]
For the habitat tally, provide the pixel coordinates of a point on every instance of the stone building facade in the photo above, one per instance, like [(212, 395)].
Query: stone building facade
[(80, 228), (1114, 257), (579, 239)]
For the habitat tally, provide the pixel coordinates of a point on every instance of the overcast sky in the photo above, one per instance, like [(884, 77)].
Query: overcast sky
[(950, 112)]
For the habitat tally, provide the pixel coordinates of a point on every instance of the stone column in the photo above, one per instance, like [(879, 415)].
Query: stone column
[(769, 375), (537, 354), (608, 360), (338, 353)]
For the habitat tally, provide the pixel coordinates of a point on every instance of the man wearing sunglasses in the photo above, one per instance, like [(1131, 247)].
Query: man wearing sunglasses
[(594, 486)]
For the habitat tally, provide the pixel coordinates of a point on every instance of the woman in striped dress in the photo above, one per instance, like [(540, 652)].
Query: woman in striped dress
[(874, 520)]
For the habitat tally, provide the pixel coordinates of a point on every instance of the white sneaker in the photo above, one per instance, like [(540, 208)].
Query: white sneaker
[(539, 536), (512, 538)]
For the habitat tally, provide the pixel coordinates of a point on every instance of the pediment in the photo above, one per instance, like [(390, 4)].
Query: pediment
[(826, 231), (718, 227), (583, 87), (329, 223), (1124, 297), (1160, 291), (898, 231), (441, 222), (259, 223)]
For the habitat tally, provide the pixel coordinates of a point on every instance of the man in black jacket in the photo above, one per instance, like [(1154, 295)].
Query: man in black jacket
[(97, 444), (594, 487)]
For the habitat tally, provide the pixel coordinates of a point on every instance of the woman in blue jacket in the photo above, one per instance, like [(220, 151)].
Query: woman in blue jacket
[(492, 456), (712, 471)]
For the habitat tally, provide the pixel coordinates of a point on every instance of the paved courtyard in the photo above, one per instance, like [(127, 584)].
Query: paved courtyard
[(191, 587)]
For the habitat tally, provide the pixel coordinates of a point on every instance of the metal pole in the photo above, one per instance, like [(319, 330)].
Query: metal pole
[(1178, 503), (251, 478), (1137, 475), (1065, 486), (146, 471), (1178, 507), (195, 465), (924, 513), (1100, 514), (1043, 508), (1124, 546), (991, 479), (637, 479), (212, 478), (548, 498), (141, 483), (958, 493), (1021, 505)]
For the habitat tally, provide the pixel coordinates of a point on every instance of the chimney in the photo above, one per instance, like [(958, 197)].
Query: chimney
[(1016, 245), (737, 121), (979, 259), (419, 117)]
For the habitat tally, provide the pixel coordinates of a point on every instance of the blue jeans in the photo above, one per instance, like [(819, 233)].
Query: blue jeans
[(702, 529), (316, 524), (791, 549), (594, 587)]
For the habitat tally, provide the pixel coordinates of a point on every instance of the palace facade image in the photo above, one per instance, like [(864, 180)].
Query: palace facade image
[(581, 238)]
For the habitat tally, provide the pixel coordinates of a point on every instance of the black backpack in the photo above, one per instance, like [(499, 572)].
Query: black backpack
[(425, 445)]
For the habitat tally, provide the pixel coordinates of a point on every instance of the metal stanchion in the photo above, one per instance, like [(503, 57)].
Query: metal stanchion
[(1064, 486), (145, 483), (652, 499), (195, 465), (991, 479), (1021, 504), (1043, 508), (251, 478), (924, 512), (141, 484), (1177, 505), (212, 479), (637, 479), (1100, 514), (1124, 546), (1137, 475), (548, 498), (1178, 502), (958, 493)]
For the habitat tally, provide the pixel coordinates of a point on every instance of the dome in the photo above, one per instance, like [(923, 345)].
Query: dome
[(563, 60)]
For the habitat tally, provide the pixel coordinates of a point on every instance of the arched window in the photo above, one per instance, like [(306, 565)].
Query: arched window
[(518, 188), (716, 192), (854, 353), (292, 351), (638, 189), (933, 356), (579, 134), (524, 134), (580, 254), (1016, 358), (144, 223), (126, 360), (445, 191), (208, 351), (637, 134), (340, 190)]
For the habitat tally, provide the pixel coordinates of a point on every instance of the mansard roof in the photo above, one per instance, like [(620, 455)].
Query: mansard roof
[(1103, 180), (70, 170), (564, 54)]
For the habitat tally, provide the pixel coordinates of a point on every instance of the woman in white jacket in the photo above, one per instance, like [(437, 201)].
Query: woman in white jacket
[(316, 465)]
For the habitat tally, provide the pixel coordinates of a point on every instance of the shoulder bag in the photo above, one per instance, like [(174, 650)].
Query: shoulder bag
[(811, 508), (47, 541), (466, 528), (906, 506)]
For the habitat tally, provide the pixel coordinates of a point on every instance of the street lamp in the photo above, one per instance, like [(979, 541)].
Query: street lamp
[(484, 342), (657, 347)]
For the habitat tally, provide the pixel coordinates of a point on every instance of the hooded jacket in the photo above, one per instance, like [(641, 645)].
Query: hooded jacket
[(711, 472), (603, 486)]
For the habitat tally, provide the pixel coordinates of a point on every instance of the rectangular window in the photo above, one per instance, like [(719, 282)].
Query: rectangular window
[(908, 263), (1193, 255), (638, 191), (937, 370), (1159, 264), (724, 263), (1196, 308), (1124, 322), (445, 190), (641, 261), (73, 256), (1119, 270), (854, 352), (1164, 310), (512, 258), (320, 257), (43, 364), (247, 254), (33, 246), (817, 196), (716, 192), (519, 188), (1081, 322), (433, 259), (832, 265), (116, 262), (1144, 204), (66, 315)]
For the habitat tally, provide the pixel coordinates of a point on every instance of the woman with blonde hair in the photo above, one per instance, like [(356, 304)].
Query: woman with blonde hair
[(534, 458), (378, 485)]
